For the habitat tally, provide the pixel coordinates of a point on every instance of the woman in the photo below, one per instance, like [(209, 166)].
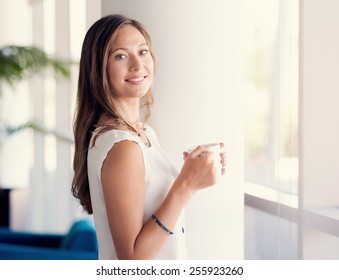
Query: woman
[(122, 175)]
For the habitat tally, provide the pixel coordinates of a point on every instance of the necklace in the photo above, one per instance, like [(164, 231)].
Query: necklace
[(133, 126), (136, 126), (138, 131)]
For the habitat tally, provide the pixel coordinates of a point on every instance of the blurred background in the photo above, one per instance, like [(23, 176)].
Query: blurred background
[(259, 75)]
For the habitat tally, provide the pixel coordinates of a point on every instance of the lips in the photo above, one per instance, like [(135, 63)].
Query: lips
[(136, 79)]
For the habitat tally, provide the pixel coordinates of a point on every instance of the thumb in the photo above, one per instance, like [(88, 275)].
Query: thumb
[(199, 151)]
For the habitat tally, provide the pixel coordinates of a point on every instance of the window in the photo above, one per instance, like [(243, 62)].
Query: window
[(271, 99), (271, 129), (58, 27)]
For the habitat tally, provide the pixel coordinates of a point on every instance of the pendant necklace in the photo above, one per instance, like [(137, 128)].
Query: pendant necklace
[(147, 144), (135, 126)]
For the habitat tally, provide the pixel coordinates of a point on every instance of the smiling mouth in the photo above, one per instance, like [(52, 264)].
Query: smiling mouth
[(136, 80)]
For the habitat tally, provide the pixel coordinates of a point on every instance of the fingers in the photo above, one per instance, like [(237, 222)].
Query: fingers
[(223, 163), (205, 150), (223, 160), (223, 155), (199, 151), (185, 155)]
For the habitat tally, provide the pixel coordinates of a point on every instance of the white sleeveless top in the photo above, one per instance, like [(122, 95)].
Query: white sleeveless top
[(159, 177)]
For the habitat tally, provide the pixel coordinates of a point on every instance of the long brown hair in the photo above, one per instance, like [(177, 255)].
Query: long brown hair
[(94, 97)]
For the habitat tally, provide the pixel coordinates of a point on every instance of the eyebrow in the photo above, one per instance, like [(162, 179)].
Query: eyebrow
[(124, 49)]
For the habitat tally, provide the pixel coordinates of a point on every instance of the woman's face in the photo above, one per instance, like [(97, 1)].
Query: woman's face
[(130, 64)]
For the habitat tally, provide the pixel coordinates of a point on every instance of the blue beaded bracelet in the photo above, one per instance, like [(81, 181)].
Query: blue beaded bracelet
[(161, 225)]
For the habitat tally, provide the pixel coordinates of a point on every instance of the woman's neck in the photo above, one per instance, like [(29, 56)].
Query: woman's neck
[(130, 111), (129, 114)]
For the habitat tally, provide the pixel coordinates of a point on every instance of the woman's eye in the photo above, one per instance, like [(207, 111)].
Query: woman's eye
[(144, 52), (120, 56)]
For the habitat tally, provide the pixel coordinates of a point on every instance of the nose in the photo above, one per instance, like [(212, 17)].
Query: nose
[(136, 63)]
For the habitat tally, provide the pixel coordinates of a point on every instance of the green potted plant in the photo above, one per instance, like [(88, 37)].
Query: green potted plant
[(21, 62)]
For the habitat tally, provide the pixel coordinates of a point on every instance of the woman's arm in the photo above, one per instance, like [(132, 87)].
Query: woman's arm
[(123, 177)]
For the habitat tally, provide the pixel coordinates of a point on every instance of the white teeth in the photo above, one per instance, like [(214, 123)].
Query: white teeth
[(136, 79)]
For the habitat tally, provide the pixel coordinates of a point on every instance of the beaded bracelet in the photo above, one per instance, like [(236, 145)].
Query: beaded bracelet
[(161, 225)]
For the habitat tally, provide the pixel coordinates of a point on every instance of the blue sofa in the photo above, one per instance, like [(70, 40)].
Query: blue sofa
[(80, 243)]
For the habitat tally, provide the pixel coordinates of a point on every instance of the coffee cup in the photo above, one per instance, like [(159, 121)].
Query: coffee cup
[(216, 149)]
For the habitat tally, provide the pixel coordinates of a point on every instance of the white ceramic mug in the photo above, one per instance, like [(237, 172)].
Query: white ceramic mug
[(216, 149)]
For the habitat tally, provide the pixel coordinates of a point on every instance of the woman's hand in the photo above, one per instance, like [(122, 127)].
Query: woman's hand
[(200, 169)]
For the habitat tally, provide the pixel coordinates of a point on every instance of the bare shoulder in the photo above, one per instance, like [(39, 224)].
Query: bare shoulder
[(122, 156), (125, 148), (124, 151)]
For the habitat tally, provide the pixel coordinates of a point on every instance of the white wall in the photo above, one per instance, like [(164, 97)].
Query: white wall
[(320, 99), (198, 99), (319, 130)]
